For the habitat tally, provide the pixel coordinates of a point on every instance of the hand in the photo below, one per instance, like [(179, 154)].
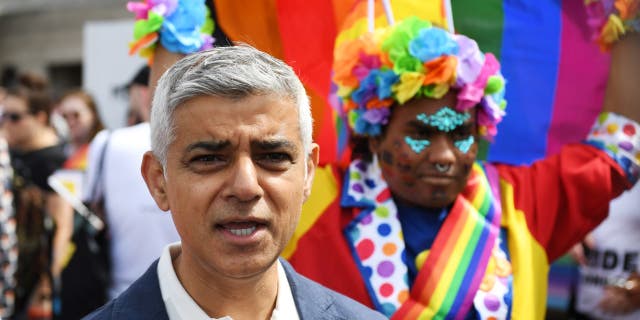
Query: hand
[(622, 298), (577, 252), (40, 302)]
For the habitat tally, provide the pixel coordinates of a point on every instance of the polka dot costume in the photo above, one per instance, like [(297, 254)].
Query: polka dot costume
[(620, 137), (376, 237)]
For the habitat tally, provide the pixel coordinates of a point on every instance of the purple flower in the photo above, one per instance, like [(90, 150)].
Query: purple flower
[(377, 116), (470, 61)]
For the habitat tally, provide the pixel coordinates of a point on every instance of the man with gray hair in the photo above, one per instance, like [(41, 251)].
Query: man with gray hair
[(233, 159)]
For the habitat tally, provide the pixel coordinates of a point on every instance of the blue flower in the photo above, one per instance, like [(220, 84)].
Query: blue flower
[(432, 43), (386, 79), (367, 89), (363, 122), (181, 30)]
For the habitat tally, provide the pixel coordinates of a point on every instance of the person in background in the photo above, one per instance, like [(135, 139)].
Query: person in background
[(80, 112), (42, 217), (83, 282), (609, 282), (422, 229), (139, 97), (137, 229)]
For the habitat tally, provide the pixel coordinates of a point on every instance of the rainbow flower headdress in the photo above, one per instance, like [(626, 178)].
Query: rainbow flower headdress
[(182, 26), (414, 59)]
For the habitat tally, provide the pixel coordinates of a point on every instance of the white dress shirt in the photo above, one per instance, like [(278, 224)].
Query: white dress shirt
[(180, 305)]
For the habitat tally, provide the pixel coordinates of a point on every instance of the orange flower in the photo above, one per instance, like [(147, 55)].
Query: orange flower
[(376, 103), (349, 105), (346, 57), (627, 8), (440, 70)]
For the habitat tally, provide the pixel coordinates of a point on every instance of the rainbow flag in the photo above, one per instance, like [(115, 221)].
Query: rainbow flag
[(555, 73)]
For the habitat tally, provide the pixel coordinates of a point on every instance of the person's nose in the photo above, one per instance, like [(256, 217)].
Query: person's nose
[(441, 152), (243, 184)]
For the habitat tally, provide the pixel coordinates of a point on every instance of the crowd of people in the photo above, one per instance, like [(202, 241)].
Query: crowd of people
[(186, 212)]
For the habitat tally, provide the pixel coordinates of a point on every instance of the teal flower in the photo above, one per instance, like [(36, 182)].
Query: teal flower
[(181, 30), (432, 43)]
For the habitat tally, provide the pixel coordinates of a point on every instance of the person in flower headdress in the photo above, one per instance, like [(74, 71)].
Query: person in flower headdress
[(423, 229)]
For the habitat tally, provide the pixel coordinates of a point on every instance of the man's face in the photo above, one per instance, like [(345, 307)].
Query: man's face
[(79, 118), (140, 100), (235, 181), (427, 151), (18, 124)]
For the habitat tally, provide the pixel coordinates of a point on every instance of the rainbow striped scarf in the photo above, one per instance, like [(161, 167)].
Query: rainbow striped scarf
[(451, 275)]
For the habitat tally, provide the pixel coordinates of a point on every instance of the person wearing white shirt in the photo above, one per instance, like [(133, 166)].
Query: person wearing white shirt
[(232, 158)]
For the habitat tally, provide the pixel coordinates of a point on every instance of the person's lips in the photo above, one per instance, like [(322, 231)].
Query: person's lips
[(242, 229), (437, 179)]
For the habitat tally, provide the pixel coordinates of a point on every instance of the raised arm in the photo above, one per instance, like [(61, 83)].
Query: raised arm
[(622, 95)]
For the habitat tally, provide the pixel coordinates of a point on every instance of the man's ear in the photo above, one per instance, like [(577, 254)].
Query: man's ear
[(153, 175), (312, 162)]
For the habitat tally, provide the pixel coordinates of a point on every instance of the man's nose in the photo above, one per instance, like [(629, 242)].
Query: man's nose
[(441, 151), (243, 183)]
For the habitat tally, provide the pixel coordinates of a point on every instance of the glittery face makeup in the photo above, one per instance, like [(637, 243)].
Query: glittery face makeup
[(445, 119), (465, 144), (416, 145), (421, 136)]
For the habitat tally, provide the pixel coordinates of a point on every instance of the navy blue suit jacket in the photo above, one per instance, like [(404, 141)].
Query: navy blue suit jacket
[(143, 300)]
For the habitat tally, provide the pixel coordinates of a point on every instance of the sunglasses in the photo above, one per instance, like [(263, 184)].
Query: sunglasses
[(70, 115), (11, 116)]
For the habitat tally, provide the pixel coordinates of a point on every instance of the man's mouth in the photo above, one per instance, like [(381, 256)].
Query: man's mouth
[(242, 232), (241, 228)]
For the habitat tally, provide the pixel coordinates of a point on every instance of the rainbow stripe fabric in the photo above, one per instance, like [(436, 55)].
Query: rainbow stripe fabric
[(447, 283), (555, 73)]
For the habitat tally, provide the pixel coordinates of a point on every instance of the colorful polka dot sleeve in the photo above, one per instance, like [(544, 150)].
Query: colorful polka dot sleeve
[(620, 138)]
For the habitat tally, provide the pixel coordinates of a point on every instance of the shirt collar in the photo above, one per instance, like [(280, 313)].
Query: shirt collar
[(180, 305)]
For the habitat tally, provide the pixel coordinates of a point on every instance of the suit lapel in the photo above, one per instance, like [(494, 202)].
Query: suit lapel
[(143, 299), (311, 302)]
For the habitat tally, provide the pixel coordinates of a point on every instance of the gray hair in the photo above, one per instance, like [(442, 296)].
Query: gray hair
[(236, 73)]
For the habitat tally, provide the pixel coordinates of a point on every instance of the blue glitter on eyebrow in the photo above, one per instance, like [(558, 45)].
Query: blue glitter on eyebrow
[(465, 144), (446, 119), (416, 145)]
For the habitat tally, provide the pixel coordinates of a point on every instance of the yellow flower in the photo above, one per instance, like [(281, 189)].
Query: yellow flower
[(612, 30), (410, 83)]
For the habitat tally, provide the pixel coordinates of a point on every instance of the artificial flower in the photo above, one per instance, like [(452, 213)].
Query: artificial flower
[(432, 43), (440, 70), (408, 86)]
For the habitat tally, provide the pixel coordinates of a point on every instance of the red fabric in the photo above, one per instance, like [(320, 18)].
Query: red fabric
[(323, 254), (558, 196)]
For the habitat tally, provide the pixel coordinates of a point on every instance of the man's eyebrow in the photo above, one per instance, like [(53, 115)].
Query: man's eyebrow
[(419, 125), (274, 144), (209, 145)]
